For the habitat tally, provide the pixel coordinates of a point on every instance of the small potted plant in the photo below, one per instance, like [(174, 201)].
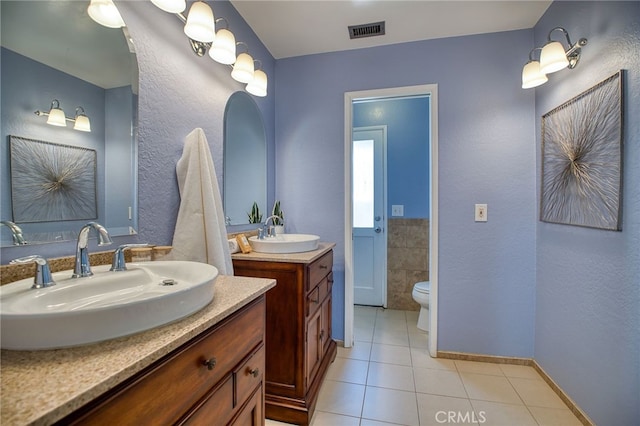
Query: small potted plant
[(278, 222), (255, 216)]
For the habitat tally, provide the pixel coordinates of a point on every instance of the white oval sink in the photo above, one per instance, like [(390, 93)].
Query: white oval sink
[(78, 311), (285, 243)]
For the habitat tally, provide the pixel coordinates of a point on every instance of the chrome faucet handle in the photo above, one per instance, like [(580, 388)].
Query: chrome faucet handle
[(118, 263), (43, 277)]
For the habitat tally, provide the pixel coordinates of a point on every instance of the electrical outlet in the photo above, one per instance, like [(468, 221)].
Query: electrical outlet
[(397, 210), (481, 212)]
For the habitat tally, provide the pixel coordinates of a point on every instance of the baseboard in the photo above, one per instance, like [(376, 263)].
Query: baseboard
[(463, 356), (575, 409)]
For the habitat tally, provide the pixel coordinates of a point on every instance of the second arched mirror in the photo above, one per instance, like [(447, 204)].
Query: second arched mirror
[(245, 160)]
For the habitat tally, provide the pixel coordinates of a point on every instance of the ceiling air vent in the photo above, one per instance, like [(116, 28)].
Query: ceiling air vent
[(366, 30)]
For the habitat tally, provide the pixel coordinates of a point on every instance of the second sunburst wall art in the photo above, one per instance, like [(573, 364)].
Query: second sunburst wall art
[(582, 158), (52, 182)]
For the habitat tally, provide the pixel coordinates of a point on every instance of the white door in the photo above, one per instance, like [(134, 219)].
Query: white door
[(368, 180)]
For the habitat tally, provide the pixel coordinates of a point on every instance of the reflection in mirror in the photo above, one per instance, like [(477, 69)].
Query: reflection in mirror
[(52, 50), (245, 159)]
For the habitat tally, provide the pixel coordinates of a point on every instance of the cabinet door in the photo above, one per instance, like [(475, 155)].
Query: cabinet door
[(252, 413), (326, 315), (314, 345), (325, 321)]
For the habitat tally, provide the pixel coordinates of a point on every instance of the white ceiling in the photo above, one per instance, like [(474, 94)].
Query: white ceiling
[(286, 27), (302, 27)]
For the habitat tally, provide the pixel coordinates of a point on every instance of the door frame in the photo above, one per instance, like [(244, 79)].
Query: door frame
[(385, 219), (430, 90)]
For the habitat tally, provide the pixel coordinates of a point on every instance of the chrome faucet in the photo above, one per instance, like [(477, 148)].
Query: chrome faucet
[(118, 264), (82, 267), (16, 233), (43, 277), (268, 231)]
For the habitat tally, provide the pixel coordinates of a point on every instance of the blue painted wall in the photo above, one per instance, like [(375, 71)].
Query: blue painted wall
[(588, 280), (487, 153), (407, 122)]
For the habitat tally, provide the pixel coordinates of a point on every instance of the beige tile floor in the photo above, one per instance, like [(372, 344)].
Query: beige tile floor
[(388, 378)]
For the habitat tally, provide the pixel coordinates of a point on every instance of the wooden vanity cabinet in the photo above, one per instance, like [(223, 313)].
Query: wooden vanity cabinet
[(299, 347), (214, 379)]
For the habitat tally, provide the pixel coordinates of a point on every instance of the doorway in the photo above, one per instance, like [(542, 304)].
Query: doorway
[(351, 243)]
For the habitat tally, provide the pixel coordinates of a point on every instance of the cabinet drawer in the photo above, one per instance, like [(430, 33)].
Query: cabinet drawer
[(249, 375), (318, 294), (319, 269), (162, 394), (313, 301), (219, 405), (325, 286)]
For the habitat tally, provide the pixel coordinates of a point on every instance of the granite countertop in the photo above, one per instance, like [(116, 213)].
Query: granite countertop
[(304, 257), (41, 387)]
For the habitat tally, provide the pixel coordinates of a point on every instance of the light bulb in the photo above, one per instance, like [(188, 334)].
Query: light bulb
[(200, 24), (243, 68), (553, 58), (532, 76), (171, 6), (82, 123), (56, 115), (223, 49), (105, 13), (258, 86)]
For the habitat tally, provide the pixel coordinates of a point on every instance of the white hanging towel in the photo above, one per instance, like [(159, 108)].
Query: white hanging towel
[(200, 233)]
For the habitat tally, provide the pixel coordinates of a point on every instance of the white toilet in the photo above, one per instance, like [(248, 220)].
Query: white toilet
[(421, 295)]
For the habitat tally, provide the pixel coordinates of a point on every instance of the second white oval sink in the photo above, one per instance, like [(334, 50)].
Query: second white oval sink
[(78, 311), (285, 243)]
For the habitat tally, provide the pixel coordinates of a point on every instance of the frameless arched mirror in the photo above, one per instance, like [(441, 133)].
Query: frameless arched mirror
[(245, 159), (52, 50)]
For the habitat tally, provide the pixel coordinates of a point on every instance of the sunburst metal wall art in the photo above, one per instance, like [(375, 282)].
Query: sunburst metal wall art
[(582, 159), (52, 182)]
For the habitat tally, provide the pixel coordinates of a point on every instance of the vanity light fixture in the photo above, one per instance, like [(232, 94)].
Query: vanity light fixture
[(105, 13), (553, 58), (200, 27), (56, 117)]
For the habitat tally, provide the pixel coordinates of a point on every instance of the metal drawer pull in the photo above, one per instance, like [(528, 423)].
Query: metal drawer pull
[(323, 266), (255, 372), (210, 363)]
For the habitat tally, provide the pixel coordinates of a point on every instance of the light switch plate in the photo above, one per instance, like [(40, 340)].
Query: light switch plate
[(481, 212), (397, 210)]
